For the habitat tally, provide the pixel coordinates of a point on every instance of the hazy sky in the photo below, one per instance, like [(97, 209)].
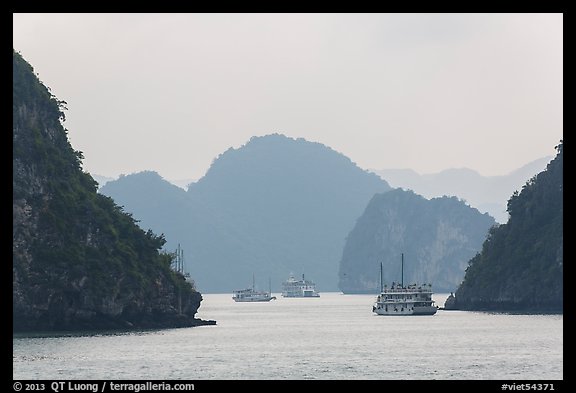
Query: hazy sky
[(170, 92)]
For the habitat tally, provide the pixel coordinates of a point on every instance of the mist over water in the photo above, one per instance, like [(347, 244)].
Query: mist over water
[(332, 337)]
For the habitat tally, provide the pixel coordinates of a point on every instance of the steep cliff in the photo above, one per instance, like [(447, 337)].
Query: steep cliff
[(521, 264), (437, 237), (79, 261)]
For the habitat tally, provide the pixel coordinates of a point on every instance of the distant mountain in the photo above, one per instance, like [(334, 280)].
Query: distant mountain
[(78, 261), (521, 264), (437, 237), (151, 199), (486, 193), (101, 180), (183, 183), (272, 207)]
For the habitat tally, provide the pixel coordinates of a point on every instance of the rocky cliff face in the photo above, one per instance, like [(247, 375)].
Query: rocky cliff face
[(79, 262), (521, 265), (437, 238)]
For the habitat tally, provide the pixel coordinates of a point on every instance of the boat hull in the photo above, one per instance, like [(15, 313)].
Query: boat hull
[(420, 310), (288, 295), (254, 300)]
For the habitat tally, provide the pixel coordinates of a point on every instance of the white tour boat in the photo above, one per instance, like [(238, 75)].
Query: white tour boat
[(299, 288), (413, 299), (252, 295)]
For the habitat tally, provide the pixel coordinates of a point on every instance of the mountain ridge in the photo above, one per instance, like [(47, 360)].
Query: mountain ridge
[(487, 193)]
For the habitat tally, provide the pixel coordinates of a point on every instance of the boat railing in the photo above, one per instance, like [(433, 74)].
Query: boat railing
[(404, 300), (406, 290)]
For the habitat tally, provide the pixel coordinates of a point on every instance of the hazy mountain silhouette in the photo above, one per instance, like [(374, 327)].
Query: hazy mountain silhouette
[(486, 193), (279, 205), (272, 207), (101, 180), (182, 183)]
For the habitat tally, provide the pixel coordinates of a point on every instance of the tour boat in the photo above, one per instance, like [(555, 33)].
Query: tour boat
[(252, 295), (412, 299), (299, 288)]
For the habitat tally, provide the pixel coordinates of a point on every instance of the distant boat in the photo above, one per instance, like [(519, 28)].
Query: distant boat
[(252, 295), (413, 299), (299, 288)]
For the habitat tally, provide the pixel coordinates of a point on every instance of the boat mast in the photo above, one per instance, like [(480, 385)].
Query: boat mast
[(402, 283), (178, 262), (181, 259), (381, 287), (253, 286), (270, 286)]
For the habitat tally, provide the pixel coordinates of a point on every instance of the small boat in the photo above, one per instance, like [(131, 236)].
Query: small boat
[(299, 288), (252, 295), (412, 299)]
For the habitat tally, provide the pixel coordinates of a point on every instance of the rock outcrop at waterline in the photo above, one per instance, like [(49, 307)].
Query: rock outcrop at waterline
[(450, 303), (79, 262)]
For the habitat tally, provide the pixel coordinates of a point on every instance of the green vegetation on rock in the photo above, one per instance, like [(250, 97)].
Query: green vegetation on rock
[(520, 267), (79, 261)]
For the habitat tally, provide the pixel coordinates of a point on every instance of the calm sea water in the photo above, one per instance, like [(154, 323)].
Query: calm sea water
[(335, 336)]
